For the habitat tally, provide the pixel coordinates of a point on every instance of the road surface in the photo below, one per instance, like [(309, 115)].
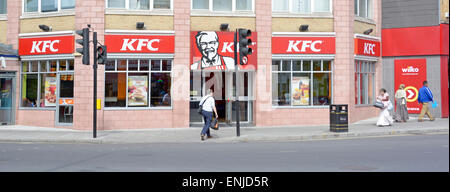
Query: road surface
[(399, 153)]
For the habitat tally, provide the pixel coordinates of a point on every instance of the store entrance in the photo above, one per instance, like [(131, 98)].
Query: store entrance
[(224, 87), (7, 91)]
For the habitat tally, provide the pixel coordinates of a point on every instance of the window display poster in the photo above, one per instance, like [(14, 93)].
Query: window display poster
[(50, 91), (137, 90), (300, 91)]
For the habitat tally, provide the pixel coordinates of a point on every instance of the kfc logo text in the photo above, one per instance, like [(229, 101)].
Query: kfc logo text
[(368, 48), (301, 46), (43, 46), (147, 43)]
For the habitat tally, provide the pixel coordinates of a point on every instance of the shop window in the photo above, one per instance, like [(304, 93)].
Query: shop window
[(223, 5), (29, 90), (364, 8), (39, 82), (301, 83), (146, 83), (47, 5), (301, 6), (139, 4), (364, 82), (3, 6)]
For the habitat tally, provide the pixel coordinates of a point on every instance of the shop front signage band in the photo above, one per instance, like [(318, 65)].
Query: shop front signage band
[(367, 47), (46, 45), (303, 45), (140, 43)]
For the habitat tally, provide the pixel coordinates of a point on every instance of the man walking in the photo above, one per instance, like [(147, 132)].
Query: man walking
[(425, 98), (208, 106)]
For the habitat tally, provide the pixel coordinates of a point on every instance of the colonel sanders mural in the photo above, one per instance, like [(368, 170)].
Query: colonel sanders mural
[(208, 45)]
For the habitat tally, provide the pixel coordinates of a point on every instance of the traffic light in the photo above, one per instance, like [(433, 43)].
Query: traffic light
[(244, 42), (101, 54), (84, 33)]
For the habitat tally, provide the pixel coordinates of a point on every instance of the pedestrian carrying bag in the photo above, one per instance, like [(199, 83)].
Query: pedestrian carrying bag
[(215, 124), (200, 108), (378, 104)]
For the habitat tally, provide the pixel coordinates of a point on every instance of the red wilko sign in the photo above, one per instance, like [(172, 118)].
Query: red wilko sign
[(213, 50), (140, 43), (303, 45), (367, 47), (411, 73), (46, 45)]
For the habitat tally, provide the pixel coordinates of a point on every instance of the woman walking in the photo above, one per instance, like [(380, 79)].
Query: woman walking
[(401, 113), (385, 118)]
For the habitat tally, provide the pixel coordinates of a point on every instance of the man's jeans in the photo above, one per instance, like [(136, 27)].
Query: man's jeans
[(207, 116)]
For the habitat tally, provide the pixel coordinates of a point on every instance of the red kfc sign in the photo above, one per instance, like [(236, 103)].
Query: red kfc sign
[(140, 43), (303, 45), (411, 73), (367, 47), (213, 50), (46, 45)]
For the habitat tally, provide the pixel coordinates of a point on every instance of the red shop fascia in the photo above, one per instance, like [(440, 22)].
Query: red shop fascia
[(421, 43)]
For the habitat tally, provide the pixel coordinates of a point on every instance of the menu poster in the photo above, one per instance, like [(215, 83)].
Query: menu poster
[(50, 91), (300, 91), (137, 90)]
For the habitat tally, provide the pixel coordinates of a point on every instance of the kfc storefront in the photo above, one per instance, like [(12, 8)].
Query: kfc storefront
[(367, 54), (212, 67), (46, 78), (302, 70), (138, 78)]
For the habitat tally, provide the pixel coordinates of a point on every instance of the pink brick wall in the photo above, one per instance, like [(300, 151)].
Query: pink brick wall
[(88, 12), (14, 8), (263, 107), (38, 118), (181, 71)]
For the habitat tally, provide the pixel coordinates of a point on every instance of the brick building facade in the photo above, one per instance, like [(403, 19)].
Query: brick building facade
[(296, 73)]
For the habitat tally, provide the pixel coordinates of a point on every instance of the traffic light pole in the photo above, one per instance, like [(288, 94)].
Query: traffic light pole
[(94, 40), (236, 66)]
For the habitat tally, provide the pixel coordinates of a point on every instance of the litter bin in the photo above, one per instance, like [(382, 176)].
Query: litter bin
[(339, 118)]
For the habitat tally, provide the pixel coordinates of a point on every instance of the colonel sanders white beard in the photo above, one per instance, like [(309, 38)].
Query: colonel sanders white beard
[(209, 53)]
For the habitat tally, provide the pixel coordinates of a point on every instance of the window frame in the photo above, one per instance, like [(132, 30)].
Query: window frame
[(233, 8), (6, 9), (312, 4), (39, 11), (39, 73), (127, 7), (311, 77), (149, 72), (369, 16), (361, 70)]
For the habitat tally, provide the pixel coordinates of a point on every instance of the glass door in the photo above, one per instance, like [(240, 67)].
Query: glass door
[(64, 108), (7, 100)]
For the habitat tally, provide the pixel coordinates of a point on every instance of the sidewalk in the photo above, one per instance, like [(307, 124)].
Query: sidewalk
[(366, 128)]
